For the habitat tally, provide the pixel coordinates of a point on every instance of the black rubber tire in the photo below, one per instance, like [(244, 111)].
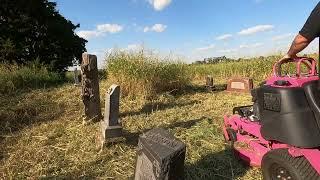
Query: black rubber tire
[(280, 161)]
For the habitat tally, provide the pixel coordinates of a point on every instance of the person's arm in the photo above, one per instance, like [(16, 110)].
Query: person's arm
[(299, 43), (307, 34)]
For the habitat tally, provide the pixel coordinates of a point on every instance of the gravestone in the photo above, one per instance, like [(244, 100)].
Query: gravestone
[(240, 85), (76, 77), (209, 83), (90, 88), (160, 156), (111, 126)]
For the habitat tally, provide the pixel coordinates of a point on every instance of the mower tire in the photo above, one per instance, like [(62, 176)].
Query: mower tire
[(279, 164)]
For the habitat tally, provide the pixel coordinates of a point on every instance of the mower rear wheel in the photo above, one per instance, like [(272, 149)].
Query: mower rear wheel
[(279, 164)]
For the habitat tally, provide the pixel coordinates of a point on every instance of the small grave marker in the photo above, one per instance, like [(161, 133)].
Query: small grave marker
[(76, 77), (240, 85), (111, 126), (209, 83), (160, 156)]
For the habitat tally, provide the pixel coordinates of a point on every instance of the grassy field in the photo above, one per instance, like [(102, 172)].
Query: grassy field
[(42, 136)]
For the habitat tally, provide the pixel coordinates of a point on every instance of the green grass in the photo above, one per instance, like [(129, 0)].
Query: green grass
[(144, 75), (20, 77)]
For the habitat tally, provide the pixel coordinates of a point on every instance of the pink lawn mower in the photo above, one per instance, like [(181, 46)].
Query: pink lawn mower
[(280, 132)]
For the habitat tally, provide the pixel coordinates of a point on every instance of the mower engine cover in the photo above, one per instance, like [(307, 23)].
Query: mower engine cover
[(289, 108)]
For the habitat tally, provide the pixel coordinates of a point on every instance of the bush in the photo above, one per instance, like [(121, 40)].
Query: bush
[(33, 75), (140, 74)]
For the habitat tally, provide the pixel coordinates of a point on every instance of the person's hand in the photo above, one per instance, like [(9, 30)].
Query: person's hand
[(287, 58), (284, 59)]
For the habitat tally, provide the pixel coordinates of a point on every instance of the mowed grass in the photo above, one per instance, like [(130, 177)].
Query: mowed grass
[(42, 135)]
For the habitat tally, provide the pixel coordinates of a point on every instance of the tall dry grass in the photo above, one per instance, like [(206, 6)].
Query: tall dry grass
[(256, 68), (140, 74)]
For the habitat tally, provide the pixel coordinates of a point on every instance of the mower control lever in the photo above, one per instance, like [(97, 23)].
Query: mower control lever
[(308, 62)]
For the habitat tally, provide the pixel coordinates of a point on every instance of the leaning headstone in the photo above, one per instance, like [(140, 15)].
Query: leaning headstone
[(160, 156), (209, 83), (111, 126), (90, 88), (76, 77), (240, 85)]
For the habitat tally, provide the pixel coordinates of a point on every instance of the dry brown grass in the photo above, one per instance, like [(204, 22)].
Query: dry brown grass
[(52, 143)]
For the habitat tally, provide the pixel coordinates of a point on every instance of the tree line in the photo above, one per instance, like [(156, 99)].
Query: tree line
[(34, 30)]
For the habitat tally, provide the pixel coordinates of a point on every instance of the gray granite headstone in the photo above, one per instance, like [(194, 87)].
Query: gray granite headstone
[(111, 126), (160, 156)]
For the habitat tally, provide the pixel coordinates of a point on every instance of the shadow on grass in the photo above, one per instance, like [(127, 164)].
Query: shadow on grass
[(22, 110), (157, 106), (195, 89), (220, 165), (132, 138)]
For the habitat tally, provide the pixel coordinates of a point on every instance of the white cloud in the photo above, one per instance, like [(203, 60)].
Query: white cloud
[(255, 45), (88, 34), (156, 28), (206, 48), (101, 30), (224, 37), (133, 47), (282, 37), (159, 5), (256, 29), (109, 28), (227, 50)]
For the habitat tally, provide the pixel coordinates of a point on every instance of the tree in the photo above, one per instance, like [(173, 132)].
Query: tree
[(34, 29)]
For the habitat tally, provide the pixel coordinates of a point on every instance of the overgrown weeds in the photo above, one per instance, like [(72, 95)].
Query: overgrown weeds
[(33, 75), (144, 75)]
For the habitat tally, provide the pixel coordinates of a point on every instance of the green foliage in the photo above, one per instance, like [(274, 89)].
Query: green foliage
[(35, 29), (140, 74), (33, 75)]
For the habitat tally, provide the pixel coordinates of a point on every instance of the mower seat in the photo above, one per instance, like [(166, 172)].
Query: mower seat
[(312, 92)]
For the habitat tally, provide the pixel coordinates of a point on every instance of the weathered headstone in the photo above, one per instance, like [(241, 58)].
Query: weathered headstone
[(90, 88), (240, 85), (160, 156), (209, 83), (76, 77), (111, 126)]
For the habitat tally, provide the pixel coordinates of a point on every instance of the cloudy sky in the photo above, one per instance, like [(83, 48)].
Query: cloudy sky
[(193, 29)]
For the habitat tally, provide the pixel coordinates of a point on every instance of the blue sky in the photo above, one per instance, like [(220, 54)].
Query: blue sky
[(192, 29)]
